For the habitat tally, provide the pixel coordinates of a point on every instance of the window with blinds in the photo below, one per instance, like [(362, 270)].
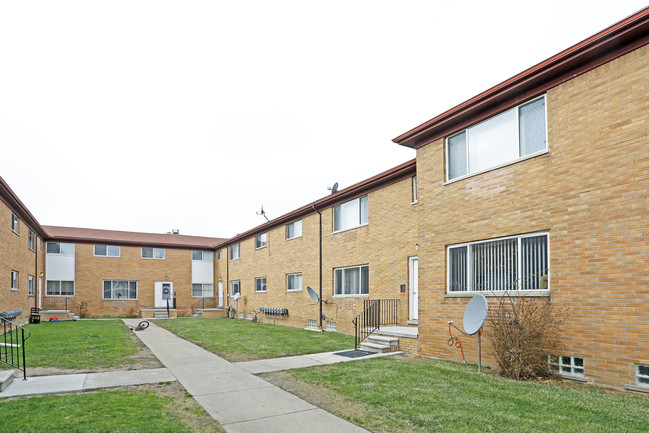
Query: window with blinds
[(513, 263)]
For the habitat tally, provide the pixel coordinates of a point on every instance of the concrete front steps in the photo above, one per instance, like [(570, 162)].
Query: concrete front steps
[(380, 344), (6, 377), (62, 315), (158, 313)]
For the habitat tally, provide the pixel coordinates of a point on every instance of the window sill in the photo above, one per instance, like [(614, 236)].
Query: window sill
[(15, 232), (200, 297), (505, 164), (261, 248), (573, 377), (234, 260), (351, 228), (260, 291), (146, 258), (529, 293), (118, 299), (364, 295), (116, 257), (294, 291), (15, 290), (59, 296), (296, 237), (414, 202), (638, 388)]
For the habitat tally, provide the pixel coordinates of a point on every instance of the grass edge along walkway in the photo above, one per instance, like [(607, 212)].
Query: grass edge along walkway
[(243, 340), (417, 395)]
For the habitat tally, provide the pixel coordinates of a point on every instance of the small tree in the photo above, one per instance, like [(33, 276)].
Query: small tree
[(524, 332)]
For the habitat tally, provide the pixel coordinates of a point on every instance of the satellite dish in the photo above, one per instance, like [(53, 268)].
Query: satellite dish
[(236, 296), (313, 294), (333, 189), (262, 213), (475, 314)]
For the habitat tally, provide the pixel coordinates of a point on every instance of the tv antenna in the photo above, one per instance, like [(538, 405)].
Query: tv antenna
[(262, 213), (333, 189), (475, 315)]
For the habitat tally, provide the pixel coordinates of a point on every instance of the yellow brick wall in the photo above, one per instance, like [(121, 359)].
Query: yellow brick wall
[(91, 271), (15, 255), (384, 244), (590, 192)]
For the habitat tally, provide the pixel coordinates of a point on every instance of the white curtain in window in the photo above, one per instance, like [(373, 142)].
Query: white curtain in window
[(457, 156)]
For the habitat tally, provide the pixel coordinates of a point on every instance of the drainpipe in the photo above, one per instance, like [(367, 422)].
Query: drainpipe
[(227, 276), (320, 262), (35, 268)]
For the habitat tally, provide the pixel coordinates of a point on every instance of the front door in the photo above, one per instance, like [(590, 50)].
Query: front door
[(413, 299), (220, 294), (164, 291)]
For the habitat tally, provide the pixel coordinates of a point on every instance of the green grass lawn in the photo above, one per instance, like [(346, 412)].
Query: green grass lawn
[(239, 340), (437, 396), (79, 344), (133, 410)]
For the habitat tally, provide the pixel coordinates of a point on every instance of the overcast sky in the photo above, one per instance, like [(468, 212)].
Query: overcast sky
[(153, 115)]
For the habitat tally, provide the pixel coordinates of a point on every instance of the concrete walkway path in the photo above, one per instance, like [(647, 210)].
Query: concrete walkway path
[(84, 382), (240, 401)]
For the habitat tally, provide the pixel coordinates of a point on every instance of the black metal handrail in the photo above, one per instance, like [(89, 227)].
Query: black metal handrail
[(376, 312), (200, 303), (12, 345)]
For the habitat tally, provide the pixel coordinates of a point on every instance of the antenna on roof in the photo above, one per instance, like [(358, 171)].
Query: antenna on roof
[(175, 231), (333, 189), (262, 213)]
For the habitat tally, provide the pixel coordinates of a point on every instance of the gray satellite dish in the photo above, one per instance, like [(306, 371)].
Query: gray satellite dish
[(475, 314), (236, 296), (333, 189), (313, 294)]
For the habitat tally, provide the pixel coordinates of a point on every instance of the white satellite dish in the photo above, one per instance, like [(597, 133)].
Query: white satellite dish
[(313, 294), (475, 314), (236, 296)]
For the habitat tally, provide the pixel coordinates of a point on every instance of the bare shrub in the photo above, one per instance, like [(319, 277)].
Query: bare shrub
[(524, 332)]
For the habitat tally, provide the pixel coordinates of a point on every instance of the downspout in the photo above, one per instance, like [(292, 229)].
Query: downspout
[(227, 275), (320, 262), (35, 269)]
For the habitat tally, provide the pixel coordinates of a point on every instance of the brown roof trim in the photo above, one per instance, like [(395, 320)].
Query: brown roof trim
[(11, 199), (396, 174), (124, 238), (615, 41)]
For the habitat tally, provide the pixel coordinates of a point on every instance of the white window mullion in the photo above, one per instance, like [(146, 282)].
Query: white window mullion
[(519, 265)]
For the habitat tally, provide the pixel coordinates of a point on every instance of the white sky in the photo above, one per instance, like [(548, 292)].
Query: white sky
[(153, 115)]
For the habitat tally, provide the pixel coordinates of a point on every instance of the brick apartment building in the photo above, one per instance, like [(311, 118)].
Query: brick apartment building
[(538, 186)]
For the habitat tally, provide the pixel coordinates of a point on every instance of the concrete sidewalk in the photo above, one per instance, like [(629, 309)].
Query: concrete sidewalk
[(240, 401), (85, 382)]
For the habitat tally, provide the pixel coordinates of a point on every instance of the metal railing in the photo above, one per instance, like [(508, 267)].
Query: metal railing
[(376, 312), (202, 303), (12, 345)]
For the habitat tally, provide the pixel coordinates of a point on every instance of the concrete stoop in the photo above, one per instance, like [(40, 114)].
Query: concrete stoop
[(380, 344), (6, 377), (62, 315), (209, 312)]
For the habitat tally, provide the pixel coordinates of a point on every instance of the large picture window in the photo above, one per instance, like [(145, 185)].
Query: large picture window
[(514, 263), (352, 281), (506, 137), (351, 214), (202, 290), (120, 289), (60, 288)]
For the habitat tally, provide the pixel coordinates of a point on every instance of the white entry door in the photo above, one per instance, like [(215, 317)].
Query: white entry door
[(164, 290), (413, 299), (220, 294)]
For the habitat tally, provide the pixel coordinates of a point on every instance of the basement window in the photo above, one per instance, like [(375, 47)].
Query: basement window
[(642, 374), (570, 367)]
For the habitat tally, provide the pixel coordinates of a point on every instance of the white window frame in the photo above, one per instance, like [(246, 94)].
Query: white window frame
[(94, 250), (360, 281), (31, 240), (153, 253), (219, 255), (503, 164), (234, 283), (14, 280), (238, 251), (121, 298), (294, 225), (361, 223), (414, 189), (207, 290), (261, 285), (640, 376), (293, 276), (30, 285), (49, 295), (60, 244), (261, 241), (205, 256), (15, 223), (515, 289)]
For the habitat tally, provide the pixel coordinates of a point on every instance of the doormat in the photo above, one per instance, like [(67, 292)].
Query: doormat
[(354, 353)]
